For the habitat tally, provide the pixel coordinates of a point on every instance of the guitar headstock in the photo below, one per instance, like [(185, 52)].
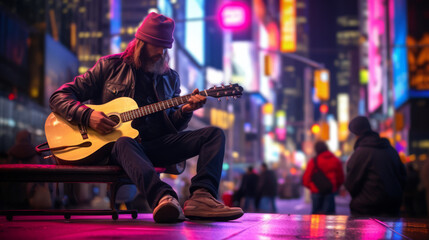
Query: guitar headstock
[(232, 90)]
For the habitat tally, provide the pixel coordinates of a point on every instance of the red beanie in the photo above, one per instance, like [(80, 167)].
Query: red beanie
[(157, 30)]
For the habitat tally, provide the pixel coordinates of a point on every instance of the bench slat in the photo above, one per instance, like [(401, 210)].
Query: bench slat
[(61, 173)]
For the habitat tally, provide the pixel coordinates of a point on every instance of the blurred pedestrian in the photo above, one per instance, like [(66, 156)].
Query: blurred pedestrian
[(23, 151), (15, 195), (424, 181), (375, 174), (247, 189), (323, 201), (267, 190), (414, 195)]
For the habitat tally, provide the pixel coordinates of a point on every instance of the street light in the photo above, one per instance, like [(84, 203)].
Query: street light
[(315, 129)]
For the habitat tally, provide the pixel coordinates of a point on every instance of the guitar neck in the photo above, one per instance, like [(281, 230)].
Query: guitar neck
[(157, 107)]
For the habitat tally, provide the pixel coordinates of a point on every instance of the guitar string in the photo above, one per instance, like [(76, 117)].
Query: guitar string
[(156, 107)]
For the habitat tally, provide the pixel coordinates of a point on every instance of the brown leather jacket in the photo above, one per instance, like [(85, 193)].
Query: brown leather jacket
[(111, 78)]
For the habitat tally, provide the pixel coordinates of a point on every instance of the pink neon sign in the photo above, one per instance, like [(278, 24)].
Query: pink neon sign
[(234, 16), (375, 39)]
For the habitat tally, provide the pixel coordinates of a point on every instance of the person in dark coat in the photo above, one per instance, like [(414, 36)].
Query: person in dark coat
[(248, 189), (375, 174), (23, 150), (323, 203), (22, 195), (267, 189)]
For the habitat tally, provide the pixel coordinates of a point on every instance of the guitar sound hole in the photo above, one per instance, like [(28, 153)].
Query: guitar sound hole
[(114, 118)]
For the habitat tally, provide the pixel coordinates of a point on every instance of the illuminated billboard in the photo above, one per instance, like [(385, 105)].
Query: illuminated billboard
[(194, 30), (288, 25), (375, 37), (115, 26), (243, 69), (399, 54), (343, 113)]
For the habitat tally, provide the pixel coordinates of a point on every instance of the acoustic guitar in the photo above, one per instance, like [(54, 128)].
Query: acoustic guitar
[(72, 143)]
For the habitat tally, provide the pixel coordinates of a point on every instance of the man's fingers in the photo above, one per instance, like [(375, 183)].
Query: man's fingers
[(104, 130), (107, 120), (197, 99)]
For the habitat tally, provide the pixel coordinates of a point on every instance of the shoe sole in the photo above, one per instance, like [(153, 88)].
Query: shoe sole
[(218, 218), (167, 214)]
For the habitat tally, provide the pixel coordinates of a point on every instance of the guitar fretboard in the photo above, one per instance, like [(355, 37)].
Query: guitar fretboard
[(156, 107)]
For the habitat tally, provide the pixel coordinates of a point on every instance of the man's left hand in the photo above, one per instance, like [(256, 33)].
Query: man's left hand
[(196, 101)]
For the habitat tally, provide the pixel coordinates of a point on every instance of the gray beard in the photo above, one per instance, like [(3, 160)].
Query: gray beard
[(157, 67)]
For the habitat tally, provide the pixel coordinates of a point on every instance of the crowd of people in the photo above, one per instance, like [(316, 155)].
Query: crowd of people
[(257, 191), (375, 175), (378, 181)]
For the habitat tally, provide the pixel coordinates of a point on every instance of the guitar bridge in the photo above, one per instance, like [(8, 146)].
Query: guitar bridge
[(83, 131)]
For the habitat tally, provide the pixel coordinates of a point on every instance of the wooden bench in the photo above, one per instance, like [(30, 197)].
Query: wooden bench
[(114, 176)]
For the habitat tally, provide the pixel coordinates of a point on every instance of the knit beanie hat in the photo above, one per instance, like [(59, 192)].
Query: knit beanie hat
[(157, 30), (360, 126)]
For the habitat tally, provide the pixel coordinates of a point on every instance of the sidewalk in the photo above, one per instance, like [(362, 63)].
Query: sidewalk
[(250, 226), (302, 206)]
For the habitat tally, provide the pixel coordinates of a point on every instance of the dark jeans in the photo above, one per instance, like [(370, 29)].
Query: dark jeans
[(268, 204), (138, 160), (323, 203)]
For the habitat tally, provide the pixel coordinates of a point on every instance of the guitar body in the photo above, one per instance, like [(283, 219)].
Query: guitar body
[(59, 132), (74, 144)]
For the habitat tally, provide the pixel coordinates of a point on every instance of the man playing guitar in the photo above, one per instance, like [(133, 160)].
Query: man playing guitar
[(141, 72)]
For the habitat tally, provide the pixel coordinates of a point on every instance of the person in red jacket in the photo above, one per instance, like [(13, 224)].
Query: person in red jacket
[(333, 170)]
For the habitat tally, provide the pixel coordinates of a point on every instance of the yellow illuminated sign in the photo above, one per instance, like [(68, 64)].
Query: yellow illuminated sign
[(321, 84), (343, 113), (288, 25), (268, 108), (268, 65), (324, 131), (343, 131), (221, 118)]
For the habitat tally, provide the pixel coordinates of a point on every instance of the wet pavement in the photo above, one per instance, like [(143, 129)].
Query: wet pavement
[(302, 205), (293, 221), (250, 226)]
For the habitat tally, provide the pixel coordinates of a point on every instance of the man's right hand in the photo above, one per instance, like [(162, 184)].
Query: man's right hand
[(100, 122)]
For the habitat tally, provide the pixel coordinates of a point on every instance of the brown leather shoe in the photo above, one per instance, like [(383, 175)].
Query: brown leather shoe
[(168, 210), (202, 205)]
